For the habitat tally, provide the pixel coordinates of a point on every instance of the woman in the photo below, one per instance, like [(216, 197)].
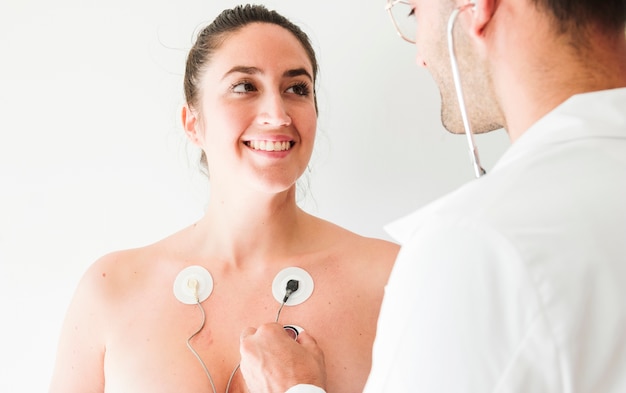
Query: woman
[(251, 108)]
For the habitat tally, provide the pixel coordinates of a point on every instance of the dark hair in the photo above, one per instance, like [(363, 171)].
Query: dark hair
[(230, 21), (213, 36), (576, 16)]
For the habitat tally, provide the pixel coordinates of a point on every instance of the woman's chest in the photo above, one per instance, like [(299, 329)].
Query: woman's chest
[(164, 345), (184, 353)]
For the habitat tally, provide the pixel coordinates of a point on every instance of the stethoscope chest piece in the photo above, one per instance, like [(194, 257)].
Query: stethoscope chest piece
[(191, 281)]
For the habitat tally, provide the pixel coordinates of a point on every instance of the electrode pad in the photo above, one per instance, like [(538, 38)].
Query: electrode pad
[(188, 278), (305, 285)]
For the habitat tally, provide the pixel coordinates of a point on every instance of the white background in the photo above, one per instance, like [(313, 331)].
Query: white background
[(93, 158)]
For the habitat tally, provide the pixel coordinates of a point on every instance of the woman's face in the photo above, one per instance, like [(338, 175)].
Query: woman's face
[(257, 117)]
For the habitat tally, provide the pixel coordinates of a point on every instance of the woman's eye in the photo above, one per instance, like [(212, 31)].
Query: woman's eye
[(242, 87), (301, 89)]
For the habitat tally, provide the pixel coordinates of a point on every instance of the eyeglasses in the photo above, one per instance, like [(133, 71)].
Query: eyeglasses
[(403, 18)]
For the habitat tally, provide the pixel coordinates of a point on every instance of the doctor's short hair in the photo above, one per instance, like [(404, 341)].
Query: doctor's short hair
[(577, 16)]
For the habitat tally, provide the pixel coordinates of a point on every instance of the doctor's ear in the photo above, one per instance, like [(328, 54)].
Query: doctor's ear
[(190, 124), (482, 12)]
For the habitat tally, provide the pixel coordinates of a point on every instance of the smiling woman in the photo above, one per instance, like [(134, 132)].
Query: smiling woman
[(259, 89), (251, 108)]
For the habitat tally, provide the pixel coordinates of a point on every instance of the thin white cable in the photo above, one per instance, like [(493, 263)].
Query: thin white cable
[(279, 310), (231, 378), (197, 355), (478, 169)]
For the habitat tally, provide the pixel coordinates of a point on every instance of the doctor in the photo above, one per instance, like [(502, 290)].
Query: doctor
[(515, 282)]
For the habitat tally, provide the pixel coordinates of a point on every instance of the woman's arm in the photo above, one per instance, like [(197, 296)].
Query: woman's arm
[(79, 363)]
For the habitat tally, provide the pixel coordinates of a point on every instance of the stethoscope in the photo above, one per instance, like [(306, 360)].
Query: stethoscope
[(478, 169)]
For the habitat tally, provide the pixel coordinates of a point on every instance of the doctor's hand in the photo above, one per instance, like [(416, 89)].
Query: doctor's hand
[(272, 361)]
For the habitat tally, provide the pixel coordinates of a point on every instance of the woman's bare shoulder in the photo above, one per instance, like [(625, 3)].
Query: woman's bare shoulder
[(126, 263), (117, 272), (338, 230), (353, 245), (107, 277)]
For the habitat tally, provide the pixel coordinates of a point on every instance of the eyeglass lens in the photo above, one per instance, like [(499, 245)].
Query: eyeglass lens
[(404, 19)]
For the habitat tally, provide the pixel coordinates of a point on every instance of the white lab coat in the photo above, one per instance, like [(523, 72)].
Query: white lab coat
[(516, 282)]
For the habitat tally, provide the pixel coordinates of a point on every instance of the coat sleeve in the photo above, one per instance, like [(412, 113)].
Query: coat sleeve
[(461, 313)]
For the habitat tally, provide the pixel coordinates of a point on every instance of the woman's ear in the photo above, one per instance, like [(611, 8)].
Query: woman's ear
[(190, 124)]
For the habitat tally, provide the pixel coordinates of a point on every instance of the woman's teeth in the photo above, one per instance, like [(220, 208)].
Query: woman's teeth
[(269, 145)]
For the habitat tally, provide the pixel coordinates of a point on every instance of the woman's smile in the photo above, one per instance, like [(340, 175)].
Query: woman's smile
[(268, 145)]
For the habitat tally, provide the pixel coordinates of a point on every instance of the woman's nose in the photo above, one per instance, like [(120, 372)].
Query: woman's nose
[(273, 112)]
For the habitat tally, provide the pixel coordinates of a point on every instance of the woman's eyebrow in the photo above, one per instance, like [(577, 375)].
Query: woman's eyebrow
[(297, 72), (243, 70), (255, 70)]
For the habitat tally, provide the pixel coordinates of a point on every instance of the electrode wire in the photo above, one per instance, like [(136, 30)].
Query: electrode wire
[(237, 368), (231, 378), (279, 310), (197, 355)]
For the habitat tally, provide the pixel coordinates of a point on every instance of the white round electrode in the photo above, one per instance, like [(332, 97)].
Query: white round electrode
[(305, 285), (185, 281)]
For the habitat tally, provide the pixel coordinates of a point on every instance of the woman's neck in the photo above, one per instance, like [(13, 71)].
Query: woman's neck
[(245, 229)]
